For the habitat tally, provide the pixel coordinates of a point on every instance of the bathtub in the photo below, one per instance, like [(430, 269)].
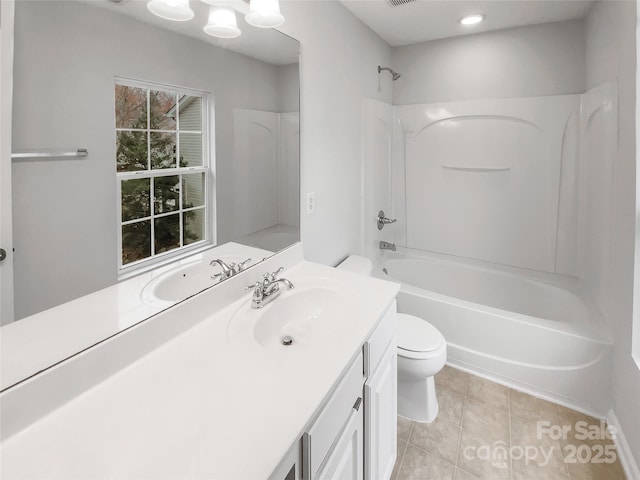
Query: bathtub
[(525, 332)]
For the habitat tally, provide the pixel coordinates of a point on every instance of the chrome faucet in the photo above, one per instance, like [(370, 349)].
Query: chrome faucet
[(268, 289), (228, 270), (387, 246)]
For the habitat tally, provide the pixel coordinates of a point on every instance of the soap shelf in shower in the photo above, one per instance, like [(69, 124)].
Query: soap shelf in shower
[(476, 169)]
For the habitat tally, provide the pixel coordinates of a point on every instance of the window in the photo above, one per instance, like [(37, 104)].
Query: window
[(162, 170)]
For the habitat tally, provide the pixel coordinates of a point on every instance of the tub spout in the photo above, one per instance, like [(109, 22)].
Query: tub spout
[(387, 246)]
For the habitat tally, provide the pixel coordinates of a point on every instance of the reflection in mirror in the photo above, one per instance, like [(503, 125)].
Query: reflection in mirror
[(193, 143)]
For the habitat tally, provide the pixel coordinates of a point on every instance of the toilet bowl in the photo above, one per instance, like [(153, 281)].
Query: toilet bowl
[(422, 352)]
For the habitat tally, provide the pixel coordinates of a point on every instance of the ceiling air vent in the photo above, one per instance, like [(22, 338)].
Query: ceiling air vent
[(397, 3)]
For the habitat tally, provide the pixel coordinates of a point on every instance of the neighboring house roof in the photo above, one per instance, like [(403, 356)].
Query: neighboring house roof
[(183, 102)]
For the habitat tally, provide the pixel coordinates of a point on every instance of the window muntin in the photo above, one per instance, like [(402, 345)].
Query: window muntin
[(161, 169)]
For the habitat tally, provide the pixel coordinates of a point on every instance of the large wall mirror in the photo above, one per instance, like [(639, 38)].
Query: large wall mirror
[(144, 95)]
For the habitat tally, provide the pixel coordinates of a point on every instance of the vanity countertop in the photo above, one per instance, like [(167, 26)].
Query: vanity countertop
[(201, 405), (43, 339)]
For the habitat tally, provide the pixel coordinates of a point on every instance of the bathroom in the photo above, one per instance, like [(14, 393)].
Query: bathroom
[(342, 96)]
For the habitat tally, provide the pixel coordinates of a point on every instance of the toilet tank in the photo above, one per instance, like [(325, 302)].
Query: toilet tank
[(357, 264)]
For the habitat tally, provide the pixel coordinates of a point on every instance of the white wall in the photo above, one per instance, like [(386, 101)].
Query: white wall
[(65, 217), (611, 54), (289, 87), (529, 61), (338, 69)]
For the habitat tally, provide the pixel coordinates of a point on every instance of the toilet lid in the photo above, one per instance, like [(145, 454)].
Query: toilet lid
[(417, 335)]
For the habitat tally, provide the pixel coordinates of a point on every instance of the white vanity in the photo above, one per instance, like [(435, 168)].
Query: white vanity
[(204, 390)]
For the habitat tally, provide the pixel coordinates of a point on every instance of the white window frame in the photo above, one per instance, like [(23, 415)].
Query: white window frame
[(635, 322), (155, 260)]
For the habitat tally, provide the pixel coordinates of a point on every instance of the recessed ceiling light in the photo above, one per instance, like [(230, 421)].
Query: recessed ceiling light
[(472, 19)]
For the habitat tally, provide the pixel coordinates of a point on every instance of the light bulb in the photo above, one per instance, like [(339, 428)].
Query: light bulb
[(222, 23), (472, 19), (177, 10), (264, 14)]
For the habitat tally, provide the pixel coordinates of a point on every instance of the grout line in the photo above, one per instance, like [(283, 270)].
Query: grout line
[(404, 451), (464, 401), (466, 385), (433, 454)]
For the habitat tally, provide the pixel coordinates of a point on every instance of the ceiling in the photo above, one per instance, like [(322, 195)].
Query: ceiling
[(267, 45), (424, 20)]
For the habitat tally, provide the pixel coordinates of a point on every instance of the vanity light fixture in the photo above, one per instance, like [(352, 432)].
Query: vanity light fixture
[(177, 10), (222, 23), (472, 19), (264, 14)]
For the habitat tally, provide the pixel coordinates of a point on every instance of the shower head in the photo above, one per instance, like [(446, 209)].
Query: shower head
[(394, 75)]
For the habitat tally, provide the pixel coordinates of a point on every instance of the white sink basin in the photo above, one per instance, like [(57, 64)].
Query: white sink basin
[(312, 313), (187, 279), (185, 282)]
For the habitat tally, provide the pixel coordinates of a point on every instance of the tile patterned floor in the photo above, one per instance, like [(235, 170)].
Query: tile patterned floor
[(486, 430)]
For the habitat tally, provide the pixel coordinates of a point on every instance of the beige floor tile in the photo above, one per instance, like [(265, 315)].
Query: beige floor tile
[(482, 457), (402, 446), (450, 404), (452, 378), (404, 428), (484, 421), (582, 428), (596, 471), (440, 437), (541, 450), (566, 416), (490, 393), (591, 459), (524, 471), (462, 475), (479, 419), (419, 465), (532, 408)]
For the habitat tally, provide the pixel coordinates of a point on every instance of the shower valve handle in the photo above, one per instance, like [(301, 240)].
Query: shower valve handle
[(382, 220)]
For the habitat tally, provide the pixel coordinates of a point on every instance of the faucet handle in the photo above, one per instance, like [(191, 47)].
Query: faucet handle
[(242, 265), (275, 274), (253, 286)]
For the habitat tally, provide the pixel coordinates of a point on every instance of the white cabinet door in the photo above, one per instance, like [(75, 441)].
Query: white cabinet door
[(380, 394), (345, 462)]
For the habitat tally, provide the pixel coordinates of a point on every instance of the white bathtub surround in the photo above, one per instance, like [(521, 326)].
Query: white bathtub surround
[(46, 338), (195, 405), (266, 156), (495, 166), (377, 124), (495, 184), (496, 180), (529, 333)]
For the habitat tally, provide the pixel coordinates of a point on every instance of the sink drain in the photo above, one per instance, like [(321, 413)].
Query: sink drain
[(287, 340)]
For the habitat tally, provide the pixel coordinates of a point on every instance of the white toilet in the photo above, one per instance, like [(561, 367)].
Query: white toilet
[(422, 352)]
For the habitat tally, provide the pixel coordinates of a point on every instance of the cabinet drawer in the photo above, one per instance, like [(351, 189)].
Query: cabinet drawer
[(376, 346), (324, 432)]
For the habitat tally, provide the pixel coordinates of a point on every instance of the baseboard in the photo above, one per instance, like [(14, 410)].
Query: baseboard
[(627, 460)]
